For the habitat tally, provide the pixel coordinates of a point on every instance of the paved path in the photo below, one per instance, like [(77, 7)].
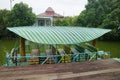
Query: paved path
[(89, 70), (59, 76)]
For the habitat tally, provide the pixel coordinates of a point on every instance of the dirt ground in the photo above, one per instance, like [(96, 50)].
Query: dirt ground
[(89, 70)]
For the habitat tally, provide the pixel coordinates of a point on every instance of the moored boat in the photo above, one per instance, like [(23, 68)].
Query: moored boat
[(55, 45)]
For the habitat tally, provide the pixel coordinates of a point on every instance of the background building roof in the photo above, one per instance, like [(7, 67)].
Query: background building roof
[(49, 13)]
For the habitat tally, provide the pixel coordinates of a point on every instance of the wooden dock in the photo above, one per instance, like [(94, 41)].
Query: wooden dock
[(88, 70)]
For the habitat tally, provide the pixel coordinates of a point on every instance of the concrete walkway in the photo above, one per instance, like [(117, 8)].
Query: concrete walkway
[(93, 70), (59, 76)]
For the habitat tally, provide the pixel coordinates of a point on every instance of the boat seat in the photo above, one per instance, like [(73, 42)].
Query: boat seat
[(34, 56), (77, 56), (50, 58), (64, 57), (61, 51)]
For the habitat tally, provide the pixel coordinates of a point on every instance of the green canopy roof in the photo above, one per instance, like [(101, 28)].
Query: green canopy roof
[(58, 35)]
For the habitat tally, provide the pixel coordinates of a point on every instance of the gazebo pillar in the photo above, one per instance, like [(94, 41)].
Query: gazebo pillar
[(22, 48), (94, 42)]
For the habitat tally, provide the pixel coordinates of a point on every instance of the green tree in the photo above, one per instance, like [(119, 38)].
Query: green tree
[(4, 14), (102, 13), (112, 20), (74, 21), (95, 13), (67, 21), (57, 22), (80, 20), (22, 15)]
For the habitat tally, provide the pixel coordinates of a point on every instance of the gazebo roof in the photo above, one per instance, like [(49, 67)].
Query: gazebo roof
[(58, 35), (49, 13)]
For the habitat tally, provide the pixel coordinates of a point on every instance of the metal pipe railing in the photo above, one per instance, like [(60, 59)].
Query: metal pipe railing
[(43, 59)]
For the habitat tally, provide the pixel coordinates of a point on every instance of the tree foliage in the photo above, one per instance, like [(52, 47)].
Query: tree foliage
[(4, 14), (105, 14), (20, 15), (109, 17), (67, 21)]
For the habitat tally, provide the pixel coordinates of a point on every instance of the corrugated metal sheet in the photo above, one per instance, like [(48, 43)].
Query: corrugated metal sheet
[(58, 35)]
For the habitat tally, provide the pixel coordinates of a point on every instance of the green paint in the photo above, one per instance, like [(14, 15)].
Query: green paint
[(58, 35)]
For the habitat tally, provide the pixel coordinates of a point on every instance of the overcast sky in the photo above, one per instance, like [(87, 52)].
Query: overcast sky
[(63, 7)]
